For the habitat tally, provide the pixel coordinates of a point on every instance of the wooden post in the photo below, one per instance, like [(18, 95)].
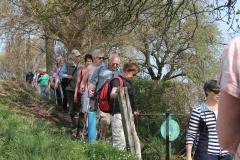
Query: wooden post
[(130, 133), (125, 120)]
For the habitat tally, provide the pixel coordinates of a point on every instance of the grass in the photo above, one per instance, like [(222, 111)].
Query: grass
[(28, 138)]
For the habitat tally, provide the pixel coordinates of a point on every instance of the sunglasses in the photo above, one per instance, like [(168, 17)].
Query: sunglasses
[(215, 91), (100, 58), (115, 64)]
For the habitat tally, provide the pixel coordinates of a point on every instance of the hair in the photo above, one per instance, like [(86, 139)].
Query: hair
[(112, 56), (131, 67), (87, 56), (210, 85), (96, 53)]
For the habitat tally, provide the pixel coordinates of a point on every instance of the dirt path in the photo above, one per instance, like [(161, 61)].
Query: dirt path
[(27, 104)]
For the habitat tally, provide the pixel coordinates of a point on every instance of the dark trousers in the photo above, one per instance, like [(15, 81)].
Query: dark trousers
[(93, 103), (74, 107), (205, 156), (65, 100), (58, 96)]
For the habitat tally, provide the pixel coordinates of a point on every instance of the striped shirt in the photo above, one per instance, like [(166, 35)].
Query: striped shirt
[(202, 126)]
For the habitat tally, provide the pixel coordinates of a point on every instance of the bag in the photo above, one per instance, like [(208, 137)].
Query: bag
[(65, 81), (103, 98)]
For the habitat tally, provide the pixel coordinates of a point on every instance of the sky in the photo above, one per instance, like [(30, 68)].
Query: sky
[(227, 33)]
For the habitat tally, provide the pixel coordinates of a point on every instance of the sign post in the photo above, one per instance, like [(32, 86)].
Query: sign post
[(170, 131), (168, 153)]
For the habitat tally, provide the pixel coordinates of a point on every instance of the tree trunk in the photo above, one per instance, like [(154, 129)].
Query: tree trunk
[(49, 48)]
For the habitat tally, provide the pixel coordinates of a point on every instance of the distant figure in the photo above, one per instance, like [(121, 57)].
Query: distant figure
[(36, 80), (66, 73), (29, 79), (44, 83), (129, 71), (82, 97), (228, 123), (98, 57), (201, 131), (69, 73)]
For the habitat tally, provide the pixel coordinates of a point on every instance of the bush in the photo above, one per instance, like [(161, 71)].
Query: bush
[(153, 100)]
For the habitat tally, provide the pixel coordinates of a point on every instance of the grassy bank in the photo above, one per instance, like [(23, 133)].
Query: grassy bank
[(26, 137)]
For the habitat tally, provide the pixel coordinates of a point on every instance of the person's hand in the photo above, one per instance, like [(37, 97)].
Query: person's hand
[(82, 90), (75, 98), (136, 113), (69, 77), (189, 157), (91, 92)]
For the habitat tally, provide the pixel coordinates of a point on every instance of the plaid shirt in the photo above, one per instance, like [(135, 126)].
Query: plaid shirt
[(229, 79)]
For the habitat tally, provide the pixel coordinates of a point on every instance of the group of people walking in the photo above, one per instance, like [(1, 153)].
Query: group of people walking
[(76, 88), (213, 131)]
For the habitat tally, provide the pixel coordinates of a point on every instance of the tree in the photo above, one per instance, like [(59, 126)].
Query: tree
[(86, 25), (175, 50)]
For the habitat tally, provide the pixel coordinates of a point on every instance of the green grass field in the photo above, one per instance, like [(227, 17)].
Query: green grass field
[(28, 138)]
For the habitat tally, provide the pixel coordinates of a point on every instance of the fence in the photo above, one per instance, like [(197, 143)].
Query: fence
[(153, 144), (148, 130)]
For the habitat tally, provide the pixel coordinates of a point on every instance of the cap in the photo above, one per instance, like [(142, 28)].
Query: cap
[(76, 53)]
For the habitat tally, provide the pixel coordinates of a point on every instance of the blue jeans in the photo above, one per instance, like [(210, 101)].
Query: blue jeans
[(205, 156), (44, 91)]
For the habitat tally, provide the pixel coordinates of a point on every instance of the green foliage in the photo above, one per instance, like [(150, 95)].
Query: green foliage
[(168, 96), (153, 100), (24, 139)]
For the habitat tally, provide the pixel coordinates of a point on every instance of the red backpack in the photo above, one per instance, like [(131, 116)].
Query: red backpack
[(103, 100)]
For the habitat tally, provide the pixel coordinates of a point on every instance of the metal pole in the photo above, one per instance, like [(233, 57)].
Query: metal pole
[(167, 138)]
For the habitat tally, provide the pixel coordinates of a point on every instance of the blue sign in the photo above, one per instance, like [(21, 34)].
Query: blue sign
[(174, 130)]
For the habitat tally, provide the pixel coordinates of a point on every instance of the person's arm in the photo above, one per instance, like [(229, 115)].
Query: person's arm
[(77, 88), (84, 80), (115, 84), (134, 108), (189, 152), (63, 71), (228, 127), (114, 93), (193, 129), (94, 80)]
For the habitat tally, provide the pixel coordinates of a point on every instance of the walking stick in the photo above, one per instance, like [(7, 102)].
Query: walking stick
[(80, 125), (55, 95)]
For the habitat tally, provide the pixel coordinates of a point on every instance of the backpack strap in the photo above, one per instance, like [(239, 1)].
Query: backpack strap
[(99, 70), (121, 85), (120, 80)]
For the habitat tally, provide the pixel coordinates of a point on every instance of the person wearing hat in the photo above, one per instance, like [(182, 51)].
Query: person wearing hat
[(228, 123), (129, 71), (68, 74), (202, 132)]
